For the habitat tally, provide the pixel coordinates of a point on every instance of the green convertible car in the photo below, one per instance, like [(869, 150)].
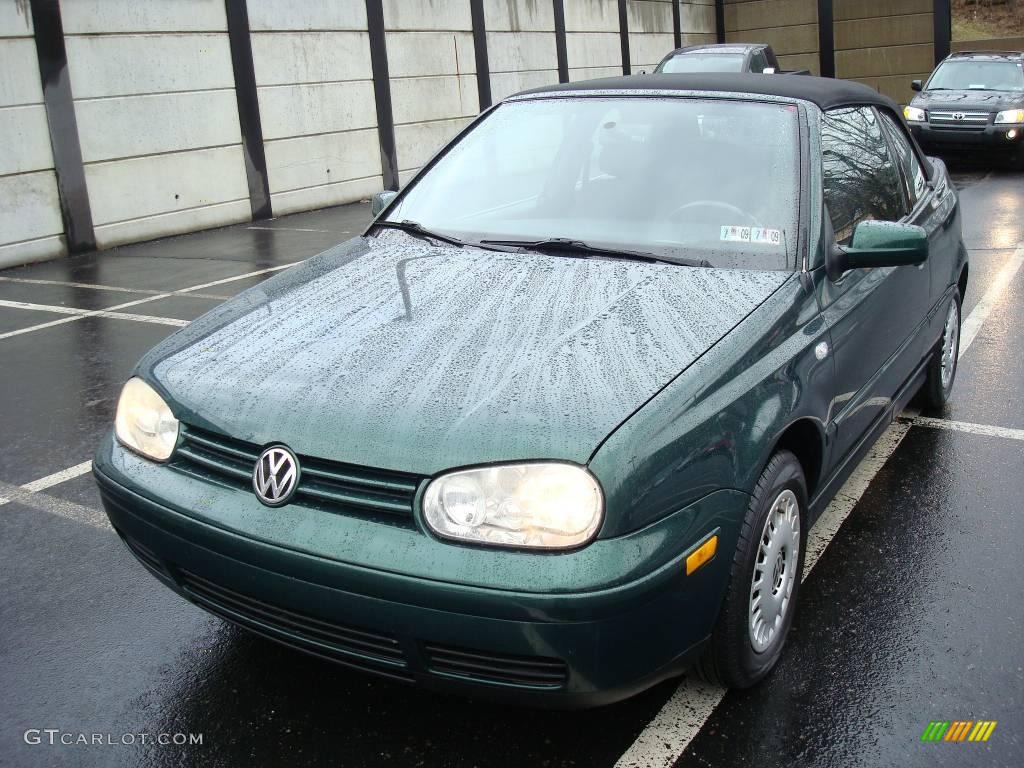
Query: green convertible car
[(554, 428)]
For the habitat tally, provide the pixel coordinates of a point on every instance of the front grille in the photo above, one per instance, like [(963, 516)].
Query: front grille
[(958, 120), (336, 487), (527, 671), (351, 646)]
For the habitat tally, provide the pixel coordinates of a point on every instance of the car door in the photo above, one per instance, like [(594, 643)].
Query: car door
[(934, 208), (874, 315)]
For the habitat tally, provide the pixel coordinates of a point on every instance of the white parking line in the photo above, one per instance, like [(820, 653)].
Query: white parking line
[(111, 288), (666, 737), (969, 328), (78, 314), (44, 502), (970, 428), (51, 480), (296, 229), (62, 310)]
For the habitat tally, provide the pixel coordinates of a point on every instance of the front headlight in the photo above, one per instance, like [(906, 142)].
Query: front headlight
[(144, 423), (1010, 116), (543, 506), (914, 115)]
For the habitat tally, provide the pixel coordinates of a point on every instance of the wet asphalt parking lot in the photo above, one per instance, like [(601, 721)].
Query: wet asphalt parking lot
[(913, 613)]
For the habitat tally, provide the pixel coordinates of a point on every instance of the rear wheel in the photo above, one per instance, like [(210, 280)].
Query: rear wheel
[(942, 367), (764, 580)]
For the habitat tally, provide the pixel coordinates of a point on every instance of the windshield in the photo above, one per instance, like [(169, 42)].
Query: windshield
[(977, 75), (695, 179), (704, 62)]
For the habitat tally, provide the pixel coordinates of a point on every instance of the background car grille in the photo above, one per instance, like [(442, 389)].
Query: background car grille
[(970, 121), (362, 648), (345, 488), (529, 671)]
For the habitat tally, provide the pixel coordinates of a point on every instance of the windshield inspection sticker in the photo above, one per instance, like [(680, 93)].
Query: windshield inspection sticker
[(751, 235)]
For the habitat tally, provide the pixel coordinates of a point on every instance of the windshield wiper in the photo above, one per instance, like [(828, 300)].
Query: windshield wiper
[(418, 230), (585, 249)]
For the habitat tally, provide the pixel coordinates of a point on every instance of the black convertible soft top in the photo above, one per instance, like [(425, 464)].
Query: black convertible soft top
[(826, 92)]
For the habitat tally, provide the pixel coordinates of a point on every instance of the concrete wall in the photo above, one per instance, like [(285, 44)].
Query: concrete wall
[(884, 44), (520, 45), (316, 102), (592, 39), (433, 76), (789, 26), (30, 221), (651, 34), (157, 117)]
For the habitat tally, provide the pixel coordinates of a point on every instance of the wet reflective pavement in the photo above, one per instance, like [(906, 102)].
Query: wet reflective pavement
[(912, 614)]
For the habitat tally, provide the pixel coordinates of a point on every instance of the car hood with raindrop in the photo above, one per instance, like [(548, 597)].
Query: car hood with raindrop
[(387, 351)]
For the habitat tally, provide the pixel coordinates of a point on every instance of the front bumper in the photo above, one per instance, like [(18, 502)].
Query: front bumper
[(568, 648), (992, 137)]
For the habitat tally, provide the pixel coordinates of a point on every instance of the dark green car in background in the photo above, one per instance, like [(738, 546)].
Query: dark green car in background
[(554, 428)]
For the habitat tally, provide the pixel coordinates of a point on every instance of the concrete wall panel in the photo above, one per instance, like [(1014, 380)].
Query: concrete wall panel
[(19, 75), (164, 122), (304, 110), (412, 54), (31, 228), (516, 16), (15, 20), (521, 51), (147, 186), (310, 57), (118, 65), (423, 99), (427, 14), (330, 158), (309, 198), (265, 15), (106, 16), (25, 141), (592, 16), (36, 212), (506, 83)]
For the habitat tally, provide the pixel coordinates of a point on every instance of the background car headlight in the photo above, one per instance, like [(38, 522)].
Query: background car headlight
[(914, 114), (144, 423), (548, 505), (1010, 116)]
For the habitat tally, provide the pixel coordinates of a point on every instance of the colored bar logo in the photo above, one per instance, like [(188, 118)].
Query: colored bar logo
[(958, 730)]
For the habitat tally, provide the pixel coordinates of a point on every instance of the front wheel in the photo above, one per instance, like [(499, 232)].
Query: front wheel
[(764, 580), (942, 367)]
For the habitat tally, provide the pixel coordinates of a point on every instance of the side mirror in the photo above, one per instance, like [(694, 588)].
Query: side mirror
[(880, 244), (380, 201), (768, 71), (915, 85)]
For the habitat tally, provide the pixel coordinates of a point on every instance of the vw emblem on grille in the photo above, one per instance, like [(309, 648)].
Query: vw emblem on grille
[(959, 115), (275, 476)]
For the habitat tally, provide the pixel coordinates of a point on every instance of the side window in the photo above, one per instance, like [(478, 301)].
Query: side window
[(861, 180), (905, 156), (758, 61)]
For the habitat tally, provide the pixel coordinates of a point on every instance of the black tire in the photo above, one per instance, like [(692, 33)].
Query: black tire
[(731, 659), (935, 392)]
